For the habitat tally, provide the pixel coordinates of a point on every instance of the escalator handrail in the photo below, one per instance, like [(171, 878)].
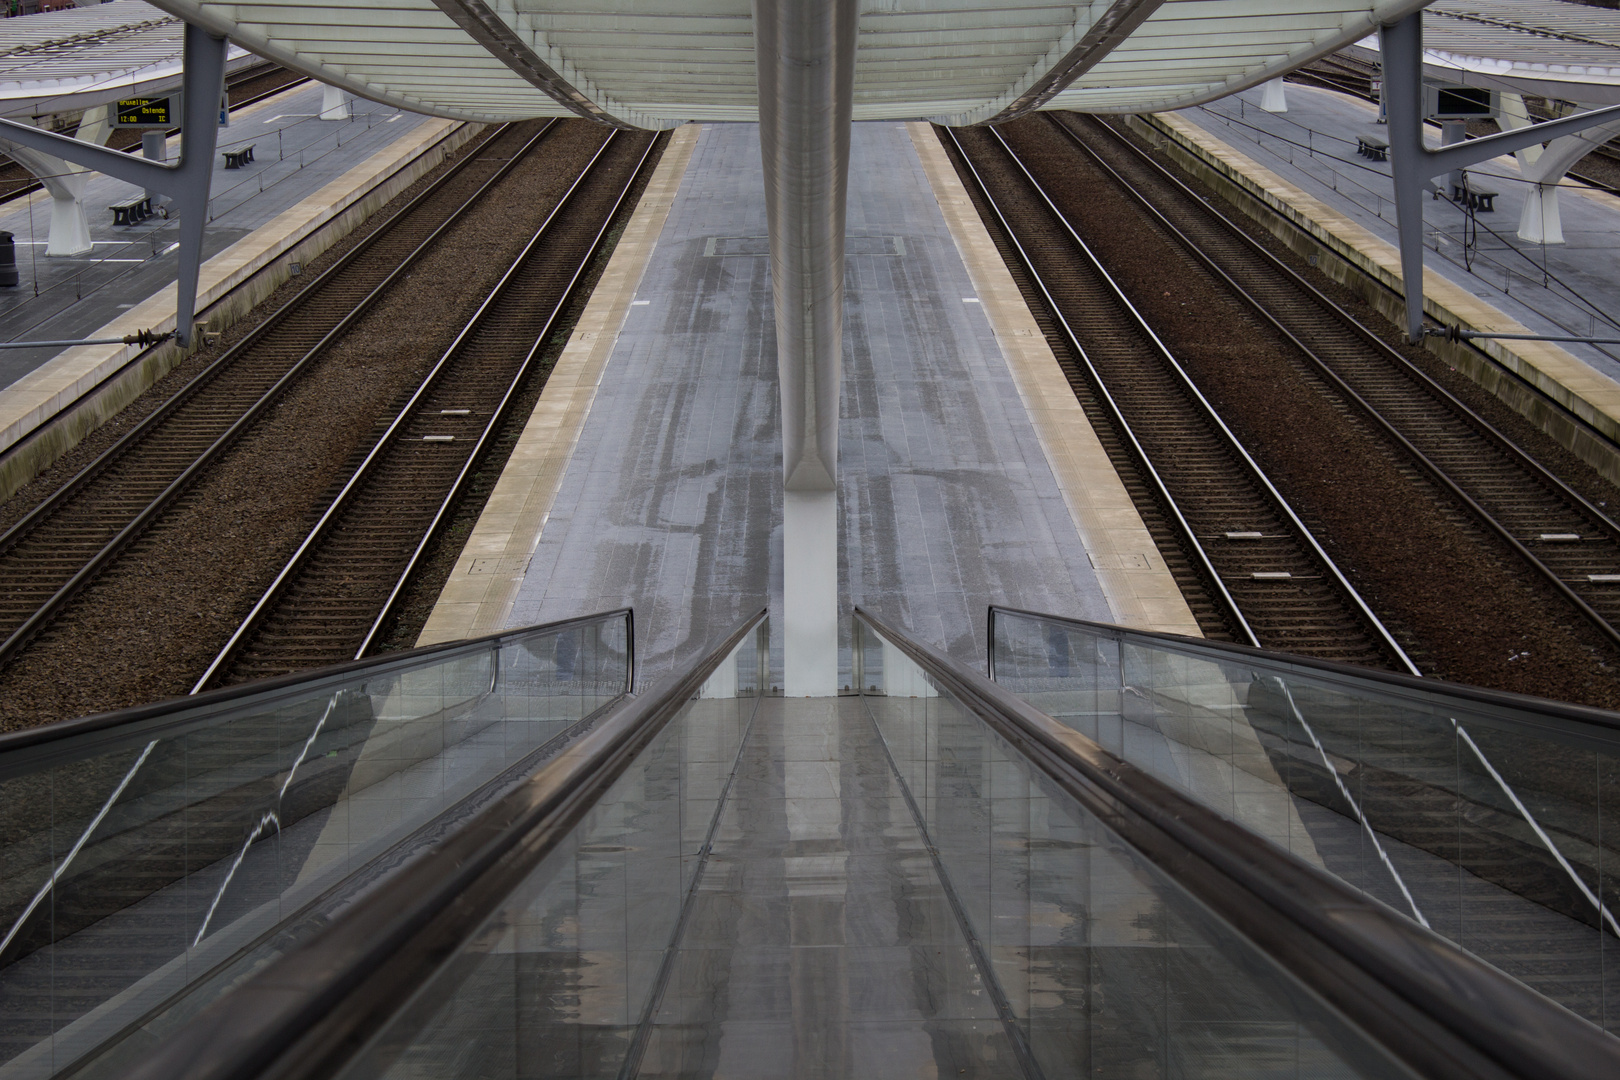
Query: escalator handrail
[(1542, 717), (151, 718), (1437, 1008), (310, 1010)]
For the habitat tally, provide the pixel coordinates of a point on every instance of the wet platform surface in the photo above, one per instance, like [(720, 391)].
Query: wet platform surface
[(671, 502), (821, 942)]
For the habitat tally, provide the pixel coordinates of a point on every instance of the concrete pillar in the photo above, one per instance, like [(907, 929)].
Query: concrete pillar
[(810, 593), (155, 147), (65, 184), (334, 103), (1453, 132), (805, 54), (1272, 97), (1540, 221)]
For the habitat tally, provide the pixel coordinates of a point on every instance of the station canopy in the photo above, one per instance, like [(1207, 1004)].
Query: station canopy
[(657, 63)]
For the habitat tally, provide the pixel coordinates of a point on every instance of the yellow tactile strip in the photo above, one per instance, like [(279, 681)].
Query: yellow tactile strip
[(1583, 390), (60, 383), (1138, 586), (478, 596)]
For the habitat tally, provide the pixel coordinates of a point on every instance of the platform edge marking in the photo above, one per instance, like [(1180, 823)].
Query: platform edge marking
[(478, 596), (1139, 588)]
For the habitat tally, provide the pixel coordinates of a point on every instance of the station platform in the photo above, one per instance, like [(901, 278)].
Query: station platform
[(311, 181), (650, 473), (1478, 272)]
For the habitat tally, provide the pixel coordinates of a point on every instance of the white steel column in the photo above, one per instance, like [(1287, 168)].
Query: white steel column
[(334, 103), (1273, 98), (805, 55)]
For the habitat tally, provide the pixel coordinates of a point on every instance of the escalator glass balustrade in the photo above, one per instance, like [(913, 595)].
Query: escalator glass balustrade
[(1492, 819), (150, 858)]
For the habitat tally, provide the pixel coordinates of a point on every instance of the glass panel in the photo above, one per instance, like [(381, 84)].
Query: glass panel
[(1484, 821), (139, 863), (558, 980), (1108, 967)]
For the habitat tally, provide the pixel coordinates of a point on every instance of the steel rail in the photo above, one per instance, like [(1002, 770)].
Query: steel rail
[(130, 531), (1115, 414), (442, 515), (362, 475), (1537, 472), (1348, 592)]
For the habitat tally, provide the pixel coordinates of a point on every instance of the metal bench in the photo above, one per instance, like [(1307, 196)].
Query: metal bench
[(1371, 147), (132, 211), (235, 159), (1480, 200)]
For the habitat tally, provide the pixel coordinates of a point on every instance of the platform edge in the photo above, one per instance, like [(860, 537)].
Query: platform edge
[(55, 406), (478, 595), (1139, 588), (1359, 260)]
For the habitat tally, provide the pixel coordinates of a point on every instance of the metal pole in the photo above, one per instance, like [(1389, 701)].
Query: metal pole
[(204, 83), (805, 51), (1401, 52)]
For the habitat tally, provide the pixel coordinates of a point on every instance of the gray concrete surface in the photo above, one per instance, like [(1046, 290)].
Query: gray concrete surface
[(672, 501)]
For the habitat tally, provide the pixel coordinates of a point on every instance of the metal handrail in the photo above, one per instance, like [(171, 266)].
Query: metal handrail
[(305, 1014), (23, 749), (1435, 1007), (1540, 717)]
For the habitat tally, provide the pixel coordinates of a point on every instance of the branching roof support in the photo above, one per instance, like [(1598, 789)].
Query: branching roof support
[(186, 182)]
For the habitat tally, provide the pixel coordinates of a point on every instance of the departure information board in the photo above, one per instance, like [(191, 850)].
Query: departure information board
[(163, 112)]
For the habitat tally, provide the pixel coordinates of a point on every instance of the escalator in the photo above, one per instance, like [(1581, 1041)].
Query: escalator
[(1118, 858)]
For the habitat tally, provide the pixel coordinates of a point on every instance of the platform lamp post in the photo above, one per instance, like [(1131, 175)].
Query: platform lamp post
[(186, 182), (805, 51), (1413, 166)]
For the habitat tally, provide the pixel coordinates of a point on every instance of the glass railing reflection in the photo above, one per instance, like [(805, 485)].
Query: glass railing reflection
[(1485, 818), (1107, 965), (144, 859), (561, 978)]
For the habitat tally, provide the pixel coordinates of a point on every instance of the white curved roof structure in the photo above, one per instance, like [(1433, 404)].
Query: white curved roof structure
[(77, 58), (1541, 47), (656, 63)]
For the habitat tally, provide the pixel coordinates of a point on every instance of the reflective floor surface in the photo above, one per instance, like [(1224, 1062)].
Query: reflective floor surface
[(821, 942)]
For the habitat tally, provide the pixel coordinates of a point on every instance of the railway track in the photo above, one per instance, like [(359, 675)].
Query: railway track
[(1252, 569), (47, 557), (1571, 544), (339, 589)]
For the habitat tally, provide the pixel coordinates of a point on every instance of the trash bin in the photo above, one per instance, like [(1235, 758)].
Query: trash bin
[(8, 261)]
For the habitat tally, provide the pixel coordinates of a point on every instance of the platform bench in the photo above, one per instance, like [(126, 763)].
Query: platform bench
[(132, 211), (235, 159), (1369, 147), (1480, 200)]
